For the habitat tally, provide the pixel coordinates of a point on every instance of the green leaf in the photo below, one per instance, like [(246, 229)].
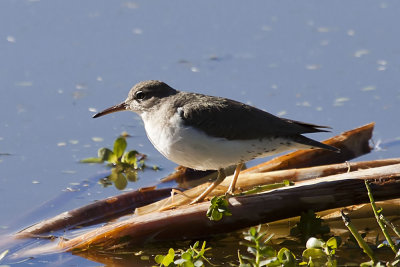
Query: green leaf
[(119, 146), (287, 183), (203, 248), (252, 250), (169, 258), (332, 244), (196, 244), (268, 238), (105, 154), (286, 257), (91, 160), (130, 158), (131, 175), (270, 262), (159, 259), (219, 207), (267, 251), (314, 253), (382, 245), (309, 225), (114, 175), (215, 215), (121, 182), (253, 231), (155, 168), (250, 260), (113, 158), (186, 256)]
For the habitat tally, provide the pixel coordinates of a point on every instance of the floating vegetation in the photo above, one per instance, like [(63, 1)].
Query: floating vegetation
[(310, 225), (317, 252), (383, 224), (190, 257), (260, 253), (219, 208), (124, 165), (311, 243)]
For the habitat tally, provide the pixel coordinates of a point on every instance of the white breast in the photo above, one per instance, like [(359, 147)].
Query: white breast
[(192, 148)]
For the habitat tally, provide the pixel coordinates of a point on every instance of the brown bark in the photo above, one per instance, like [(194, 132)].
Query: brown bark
[(97, 212), (320, 194)]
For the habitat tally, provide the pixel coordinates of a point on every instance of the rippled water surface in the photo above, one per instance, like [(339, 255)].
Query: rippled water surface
[(334, 63)]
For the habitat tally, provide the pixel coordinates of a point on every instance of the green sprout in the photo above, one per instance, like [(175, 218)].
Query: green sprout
[(266, 187), (125, 165), (190, 257), (361, 242), (219, 208), (309, 225), (262, 254), (384, 224), (380, 219)]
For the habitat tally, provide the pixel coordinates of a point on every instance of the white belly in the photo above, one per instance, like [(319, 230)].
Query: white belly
[(194, 149)]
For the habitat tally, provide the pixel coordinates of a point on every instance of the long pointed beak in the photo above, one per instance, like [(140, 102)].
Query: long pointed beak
[(120, 107)]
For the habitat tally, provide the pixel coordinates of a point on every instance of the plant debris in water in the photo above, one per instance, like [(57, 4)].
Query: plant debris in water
[(319, 247), (219, 206), (309, 225), (191, 257), (124, 165), (260, 253)]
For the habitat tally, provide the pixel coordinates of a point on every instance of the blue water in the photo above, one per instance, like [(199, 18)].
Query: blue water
[(333, 63)]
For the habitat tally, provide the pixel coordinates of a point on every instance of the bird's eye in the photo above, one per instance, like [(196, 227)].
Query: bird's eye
[(139, 95)]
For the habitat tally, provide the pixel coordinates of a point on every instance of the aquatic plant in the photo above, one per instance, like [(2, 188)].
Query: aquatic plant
[(124, 165)]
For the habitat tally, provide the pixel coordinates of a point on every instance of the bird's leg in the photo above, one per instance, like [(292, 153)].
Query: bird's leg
[(221, 176), (168, 204), (231, 188), (178, 192)]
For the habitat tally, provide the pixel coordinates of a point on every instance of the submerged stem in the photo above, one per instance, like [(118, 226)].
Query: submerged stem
[(379, 220), (361, 242)]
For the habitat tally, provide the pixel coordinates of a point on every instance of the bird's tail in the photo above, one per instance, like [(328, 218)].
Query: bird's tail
[(310, 143)]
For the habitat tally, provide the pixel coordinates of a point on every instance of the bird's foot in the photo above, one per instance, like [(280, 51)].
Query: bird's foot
[(229, 194), (198, 199), (169, 203), (178, 192)]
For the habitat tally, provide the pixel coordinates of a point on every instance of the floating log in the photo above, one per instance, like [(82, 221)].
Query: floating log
[(97, 212), (114, 207), (321, 194), (250, 180)]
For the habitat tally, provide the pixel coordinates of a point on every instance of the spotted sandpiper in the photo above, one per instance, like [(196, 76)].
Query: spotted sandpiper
[(210, 133)]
